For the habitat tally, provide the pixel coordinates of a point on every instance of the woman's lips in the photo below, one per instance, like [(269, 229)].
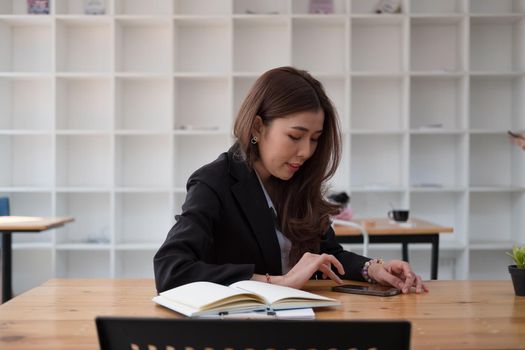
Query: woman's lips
[(294, 167)]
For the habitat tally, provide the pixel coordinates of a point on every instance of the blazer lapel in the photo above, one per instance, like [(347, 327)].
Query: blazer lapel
[(252, 201)]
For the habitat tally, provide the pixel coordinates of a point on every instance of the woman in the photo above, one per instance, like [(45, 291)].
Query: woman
[(258, 211)]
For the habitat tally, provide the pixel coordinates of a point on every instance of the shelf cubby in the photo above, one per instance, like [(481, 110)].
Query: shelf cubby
[(260, 44), (361, 7), (496, 217), (445, 208), (372, 154), (139, 7), (84, 103), (30, 204), (318, 43), (495, 44), (193, 115), (340, 182), (142, 218), (437, 45), (437, 6), (92, 225), (141, 46), (377, 45), (369, 204), (83, 161), (303, 7), (494, 264), (82, 264), (143, 161), (437, 103), (336, 90), (26, 45), (15, 111), (189, 155), (143, 103), (496, 7), (78, 7), (212, 55), (490, 160), (437, 161), (202, 7), (37, 261), (130, 264), (13, 7), (27, 161), (84, 45), (256, 7), (496, 103), (241, 87), (377, 103)]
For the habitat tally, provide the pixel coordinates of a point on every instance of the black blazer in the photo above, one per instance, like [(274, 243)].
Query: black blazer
[(226, 231)]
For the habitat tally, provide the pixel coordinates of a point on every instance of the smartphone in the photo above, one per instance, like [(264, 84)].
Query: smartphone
[(376, 289), (513, 134)]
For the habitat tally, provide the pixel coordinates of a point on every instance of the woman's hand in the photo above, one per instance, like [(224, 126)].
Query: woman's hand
[(397, 273), (307, 266)]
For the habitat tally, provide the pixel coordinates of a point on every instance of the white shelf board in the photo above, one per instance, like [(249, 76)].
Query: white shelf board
[(486, 245), (32, 246), (82, 246), (136, 246)]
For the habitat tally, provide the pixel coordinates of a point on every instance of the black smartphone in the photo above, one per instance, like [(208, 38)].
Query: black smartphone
[(375, 289)]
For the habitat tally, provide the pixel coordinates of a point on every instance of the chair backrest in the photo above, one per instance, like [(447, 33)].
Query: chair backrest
[(214, 334), (4, 206)]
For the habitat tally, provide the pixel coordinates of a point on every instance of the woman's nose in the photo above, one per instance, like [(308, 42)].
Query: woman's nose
[(305, 149)]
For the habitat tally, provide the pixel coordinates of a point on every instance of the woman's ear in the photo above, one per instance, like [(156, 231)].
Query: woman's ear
[(257, 126)]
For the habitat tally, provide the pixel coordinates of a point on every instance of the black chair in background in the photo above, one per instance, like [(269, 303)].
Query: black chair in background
[(5, 255), (179, 334)]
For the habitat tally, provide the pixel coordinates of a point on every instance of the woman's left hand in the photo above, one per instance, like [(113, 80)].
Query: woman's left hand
[(397, 273)]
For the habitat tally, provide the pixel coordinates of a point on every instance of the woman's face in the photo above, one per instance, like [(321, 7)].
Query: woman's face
[(286, 143)]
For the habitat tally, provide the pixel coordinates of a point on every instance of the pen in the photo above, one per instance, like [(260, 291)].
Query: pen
[(248, 315)]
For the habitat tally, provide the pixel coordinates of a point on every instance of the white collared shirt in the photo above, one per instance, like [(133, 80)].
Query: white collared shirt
[(284, 243)]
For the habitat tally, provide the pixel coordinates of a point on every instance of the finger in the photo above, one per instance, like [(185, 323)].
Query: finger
[(419, 285), (330, 259), (331, 274), (424, 286), (409, 278), (385, 277)]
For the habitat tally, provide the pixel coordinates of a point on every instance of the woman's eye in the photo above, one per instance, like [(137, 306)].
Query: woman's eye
[(315, 140), (294, 138)]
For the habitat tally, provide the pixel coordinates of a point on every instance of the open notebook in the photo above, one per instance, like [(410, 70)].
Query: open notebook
[(207, 298)]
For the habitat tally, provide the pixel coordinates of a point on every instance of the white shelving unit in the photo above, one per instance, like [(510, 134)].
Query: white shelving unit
[(105, 117)]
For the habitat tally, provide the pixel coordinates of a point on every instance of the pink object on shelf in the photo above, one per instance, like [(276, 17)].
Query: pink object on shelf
[(38, 7), (321, 6), (345, 214)]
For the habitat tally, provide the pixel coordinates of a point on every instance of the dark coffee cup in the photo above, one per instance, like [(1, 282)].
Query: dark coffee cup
[(399, 215)]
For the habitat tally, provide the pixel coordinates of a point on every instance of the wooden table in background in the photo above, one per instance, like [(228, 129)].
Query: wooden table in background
[(20, 224), (61, 313), (384, 230)]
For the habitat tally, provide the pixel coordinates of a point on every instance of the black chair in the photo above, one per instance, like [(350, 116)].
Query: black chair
[(5, 255), (137, 333)]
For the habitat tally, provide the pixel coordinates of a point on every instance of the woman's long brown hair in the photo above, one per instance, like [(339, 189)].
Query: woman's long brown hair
[(303, 213)]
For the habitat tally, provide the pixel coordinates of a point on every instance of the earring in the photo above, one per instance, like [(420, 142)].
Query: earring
[(254, 140)]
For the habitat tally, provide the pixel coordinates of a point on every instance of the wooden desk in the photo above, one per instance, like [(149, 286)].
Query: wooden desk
[(20, 224), (384, 230), (454, 314)]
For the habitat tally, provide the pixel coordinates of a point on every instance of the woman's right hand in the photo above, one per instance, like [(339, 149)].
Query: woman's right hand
[(308, 265)]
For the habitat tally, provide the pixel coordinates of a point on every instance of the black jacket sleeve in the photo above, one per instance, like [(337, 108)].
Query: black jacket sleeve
[(352, 262), (187, 254)]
